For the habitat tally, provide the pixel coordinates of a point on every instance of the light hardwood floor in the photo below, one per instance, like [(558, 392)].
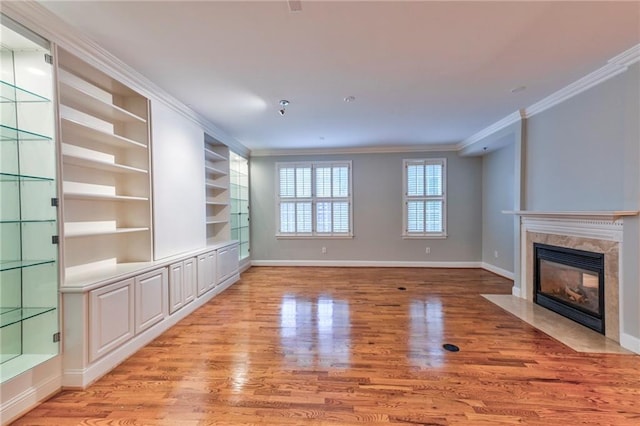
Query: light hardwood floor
[(345, 346)]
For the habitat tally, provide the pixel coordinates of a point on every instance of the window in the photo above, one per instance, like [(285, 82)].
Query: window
[(314, 199), (424, 198)]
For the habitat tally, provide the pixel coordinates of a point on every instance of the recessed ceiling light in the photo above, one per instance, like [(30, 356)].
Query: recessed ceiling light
[(518, 89), (350, 99)]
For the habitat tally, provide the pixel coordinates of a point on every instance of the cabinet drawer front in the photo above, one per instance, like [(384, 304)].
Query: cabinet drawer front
[(111, 311)]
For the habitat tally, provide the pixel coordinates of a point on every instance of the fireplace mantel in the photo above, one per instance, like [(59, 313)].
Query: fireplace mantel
[(609, 215)]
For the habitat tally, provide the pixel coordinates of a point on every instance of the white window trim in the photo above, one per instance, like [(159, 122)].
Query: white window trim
[(314, 200), (405, 198)]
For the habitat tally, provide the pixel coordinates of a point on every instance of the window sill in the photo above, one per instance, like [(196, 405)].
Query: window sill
[(313, 237), (424, 237)]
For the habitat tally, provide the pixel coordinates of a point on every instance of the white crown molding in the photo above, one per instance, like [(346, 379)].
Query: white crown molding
[(616, 65), (510, 119), (361, 150), (48, 25), (627, 58), (585, 83)]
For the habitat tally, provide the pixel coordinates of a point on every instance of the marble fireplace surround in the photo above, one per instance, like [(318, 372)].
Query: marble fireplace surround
[(599, 232)]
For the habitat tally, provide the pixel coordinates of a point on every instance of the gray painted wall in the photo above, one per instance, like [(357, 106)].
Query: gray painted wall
[(498, 195), (377, 211), (583, 154)]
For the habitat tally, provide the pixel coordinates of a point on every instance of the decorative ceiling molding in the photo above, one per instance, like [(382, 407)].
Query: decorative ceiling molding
[(628, 57), (614, 66), (48, 25), (362, 150), (488, 131)]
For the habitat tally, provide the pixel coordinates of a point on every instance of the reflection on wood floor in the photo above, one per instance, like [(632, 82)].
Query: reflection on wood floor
[(342, 346)]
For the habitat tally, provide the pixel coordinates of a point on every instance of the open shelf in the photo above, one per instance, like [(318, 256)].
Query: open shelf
[(215, 171), (214, 221), (114, 231), (86, 102), (8, 133), (73, 128), (100, 165), (211, 184), (102, 197), (10, 316), (212, 202), (214, 156), (14, 94)]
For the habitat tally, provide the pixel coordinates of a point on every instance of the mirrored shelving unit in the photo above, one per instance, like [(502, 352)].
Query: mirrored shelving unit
[(29, 316)]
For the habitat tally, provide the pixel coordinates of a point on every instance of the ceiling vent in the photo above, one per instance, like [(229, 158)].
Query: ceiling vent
[(295, 5)]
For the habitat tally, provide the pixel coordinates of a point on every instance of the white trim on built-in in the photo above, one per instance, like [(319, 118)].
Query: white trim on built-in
[(21, 393)]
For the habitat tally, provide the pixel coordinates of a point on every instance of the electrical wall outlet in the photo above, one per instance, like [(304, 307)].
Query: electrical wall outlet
[(324, 250), (427, 250), (495, 254)]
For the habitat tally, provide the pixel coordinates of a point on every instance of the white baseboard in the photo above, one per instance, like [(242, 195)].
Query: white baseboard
[(81, 378), (366, 264), (40, 383), (515, 291), (630, 342), (498, 271)]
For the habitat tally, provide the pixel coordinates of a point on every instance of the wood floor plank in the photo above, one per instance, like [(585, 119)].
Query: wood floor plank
[(346, 346)]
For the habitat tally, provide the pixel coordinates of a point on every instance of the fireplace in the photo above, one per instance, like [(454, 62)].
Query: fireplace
[(571, 283)]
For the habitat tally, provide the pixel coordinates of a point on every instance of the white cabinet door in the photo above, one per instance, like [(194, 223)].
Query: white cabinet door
[(111, 315), (176, 278), (212, 260), (206, 272), (227, 262), (189, 280), (203, 283), (151, 301)]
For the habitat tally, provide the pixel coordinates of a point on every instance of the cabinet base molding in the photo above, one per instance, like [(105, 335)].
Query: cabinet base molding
[(25, 391), (82, 378)]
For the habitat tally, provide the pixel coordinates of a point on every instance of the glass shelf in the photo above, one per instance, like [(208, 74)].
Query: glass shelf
[(29, 221), (14, 94), (10, 177), (18, 264), (10, 316), (12, 134)]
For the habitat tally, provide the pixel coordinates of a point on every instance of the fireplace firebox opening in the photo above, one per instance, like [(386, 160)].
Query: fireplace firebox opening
[(571, 283)]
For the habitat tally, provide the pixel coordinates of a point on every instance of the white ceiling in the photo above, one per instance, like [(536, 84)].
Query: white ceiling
[(422, 72)]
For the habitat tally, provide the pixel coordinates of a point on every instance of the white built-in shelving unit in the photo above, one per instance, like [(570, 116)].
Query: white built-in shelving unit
[(217, 191), (105, 171)]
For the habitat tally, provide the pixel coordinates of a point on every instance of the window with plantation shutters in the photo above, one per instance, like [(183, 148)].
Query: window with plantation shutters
[(425, 198), (314, 199)]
